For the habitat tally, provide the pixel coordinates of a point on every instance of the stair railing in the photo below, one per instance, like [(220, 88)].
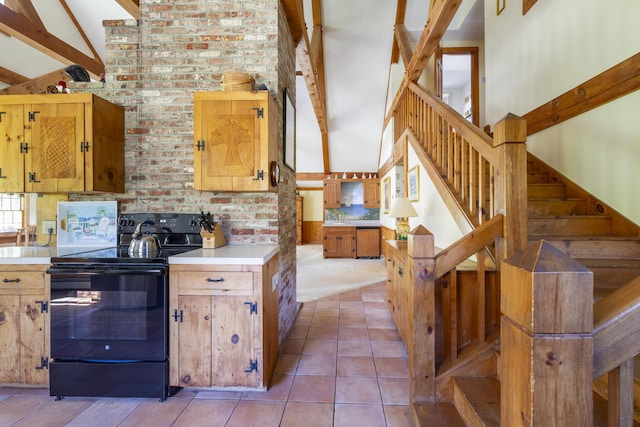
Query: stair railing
[(485, 176)]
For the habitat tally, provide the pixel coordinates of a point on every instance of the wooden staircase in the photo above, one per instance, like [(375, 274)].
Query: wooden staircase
[(588, 231)]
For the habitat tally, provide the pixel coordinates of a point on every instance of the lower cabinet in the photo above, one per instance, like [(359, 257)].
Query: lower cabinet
[(24, 324), (398, 281), (339, 242), (368, 242), (223, 325)]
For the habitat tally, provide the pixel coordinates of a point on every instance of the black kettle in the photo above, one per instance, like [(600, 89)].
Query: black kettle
[(143, 246)]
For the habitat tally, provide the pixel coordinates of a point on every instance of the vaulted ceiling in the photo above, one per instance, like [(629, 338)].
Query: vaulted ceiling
[(344, 53)]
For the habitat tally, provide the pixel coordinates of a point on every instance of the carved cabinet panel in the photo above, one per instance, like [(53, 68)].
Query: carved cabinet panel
[(61, 143), (235, 140)]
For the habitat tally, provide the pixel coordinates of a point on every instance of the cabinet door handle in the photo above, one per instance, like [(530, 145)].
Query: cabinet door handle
[(16, 280), (220, 280)]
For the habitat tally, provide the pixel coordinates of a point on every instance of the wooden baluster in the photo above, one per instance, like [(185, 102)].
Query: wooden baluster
[(620, 396)]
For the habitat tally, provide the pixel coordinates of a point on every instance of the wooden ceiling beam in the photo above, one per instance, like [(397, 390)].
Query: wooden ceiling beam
[(131, 6), (440, 16), (26, 9), (80, 30), (37, 85), (11, 78), (21, 28), (401, 10), (404, 45)]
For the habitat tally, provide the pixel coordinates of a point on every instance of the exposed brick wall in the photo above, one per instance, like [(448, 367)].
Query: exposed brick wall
[(152, 68)]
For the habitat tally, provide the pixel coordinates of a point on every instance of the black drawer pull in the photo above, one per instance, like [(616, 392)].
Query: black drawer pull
[(220, 280), (11, 280)]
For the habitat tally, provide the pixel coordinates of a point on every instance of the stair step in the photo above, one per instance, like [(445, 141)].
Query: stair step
[(437, 414), (477, 399), (551, 207), (546, 191), (570, 225), (597, 247), (537, 177)]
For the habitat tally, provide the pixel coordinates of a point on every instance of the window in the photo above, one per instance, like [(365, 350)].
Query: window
[(11, 211)]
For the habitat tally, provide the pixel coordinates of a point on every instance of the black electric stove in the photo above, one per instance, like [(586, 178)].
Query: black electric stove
[(110, 313)]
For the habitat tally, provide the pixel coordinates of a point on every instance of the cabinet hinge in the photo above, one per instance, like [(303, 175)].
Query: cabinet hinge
[(253, 307), (24, 147), (177, 316), (32, 177), (32, 115), (1, 113), (2, 176), (44, 306), (84, 146), (259, 112), (260, 175), (44, 363), (253, 366)]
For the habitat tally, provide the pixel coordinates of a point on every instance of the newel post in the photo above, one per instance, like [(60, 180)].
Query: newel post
[(546, 342), (510, 180), (422, 316)]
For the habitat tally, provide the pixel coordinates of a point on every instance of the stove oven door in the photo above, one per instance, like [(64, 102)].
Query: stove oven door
[(109, 314)]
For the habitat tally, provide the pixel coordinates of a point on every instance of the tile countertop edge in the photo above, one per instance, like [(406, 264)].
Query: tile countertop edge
[(230, 254)]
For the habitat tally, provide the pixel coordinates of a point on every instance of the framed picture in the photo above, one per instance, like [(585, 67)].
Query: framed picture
[(414, 184), (87, 223), (386, 194), (289, 131)]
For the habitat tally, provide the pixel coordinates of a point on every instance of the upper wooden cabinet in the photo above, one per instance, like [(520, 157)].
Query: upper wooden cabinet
[(236, 141), (372, 193), (61, 144), (331, 193)]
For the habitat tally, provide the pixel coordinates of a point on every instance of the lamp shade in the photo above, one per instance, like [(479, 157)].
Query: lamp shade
[(402, 208)]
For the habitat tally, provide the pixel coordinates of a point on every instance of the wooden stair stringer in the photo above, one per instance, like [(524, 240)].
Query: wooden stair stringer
[(473, 361)]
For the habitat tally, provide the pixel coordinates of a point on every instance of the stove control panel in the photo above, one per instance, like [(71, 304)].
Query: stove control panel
[(160, 223)]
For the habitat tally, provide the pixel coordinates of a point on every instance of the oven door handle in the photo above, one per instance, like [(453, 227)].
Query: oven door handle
[(75, 272)]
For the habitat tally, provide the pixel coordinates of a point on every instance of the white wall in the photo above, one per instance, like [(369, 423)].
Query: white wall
[(556, 46)]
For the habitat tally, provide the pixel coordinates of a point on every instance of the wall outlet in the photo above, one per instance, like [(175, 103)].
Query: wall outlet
[(46, 225), (274, 282)]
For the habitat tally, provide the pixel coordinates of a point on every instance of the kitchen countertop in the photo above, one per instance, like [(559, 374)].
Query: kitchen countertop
[(238, 254), (230, 254), (38, 254), (354, 223)]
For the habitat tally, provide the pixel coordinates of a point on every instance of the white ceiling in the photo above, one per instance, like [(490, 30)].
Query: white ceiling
[(357, 37)]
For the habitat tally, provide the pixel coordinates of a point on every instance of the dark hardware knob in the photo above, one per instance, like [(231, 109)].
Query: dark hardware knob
[(186, 379), (206, 317), (220, 280), (17, 280), (235, 338)]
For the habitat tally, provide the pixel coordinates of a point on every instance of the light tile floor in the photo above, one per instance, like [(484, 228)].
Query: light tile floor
[(343, 364)]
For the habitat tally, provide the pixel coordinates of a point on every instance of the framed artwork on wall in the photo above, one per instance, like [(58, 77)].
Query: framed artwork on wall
[(386, 194), (289, 131), (414, 184)]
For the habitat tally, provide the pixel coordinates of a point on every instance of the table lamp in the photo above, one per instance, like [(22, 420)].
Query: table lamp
[(402, 209)]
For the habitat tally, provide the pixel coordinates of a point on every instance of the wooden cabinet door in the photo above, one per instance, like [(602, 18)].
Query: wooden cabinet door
[(368, 242), (231, 144), (233, 355), (11, 158), (331, 194), (329, 243), (23, 326), (55, 159), (371, 193), (195, 341), (347, 244)]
